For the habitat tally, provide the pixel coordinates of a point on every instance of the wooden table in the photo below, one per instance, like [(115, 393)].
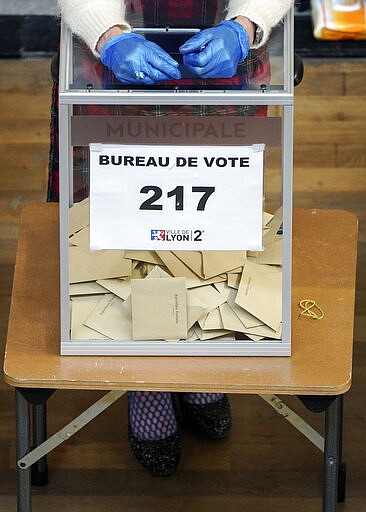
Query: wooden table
[(324, 267)]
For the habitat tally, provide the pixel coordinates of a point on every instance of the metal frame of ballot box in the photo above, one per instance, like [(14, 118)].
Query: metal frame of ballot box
[(280, 97)]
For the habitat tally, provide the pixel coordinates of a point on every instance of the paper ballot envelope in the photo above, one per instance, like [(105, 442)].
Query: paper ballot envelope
[(208, 264), (159, 308)]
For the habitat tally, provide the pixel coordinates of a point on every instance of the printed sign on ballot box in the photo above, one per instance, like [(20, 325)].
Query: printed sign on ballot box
[(176, 197)]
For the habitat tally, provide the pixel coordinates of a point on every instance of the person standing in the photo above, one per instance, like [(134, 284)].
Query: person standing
[(229, 34)]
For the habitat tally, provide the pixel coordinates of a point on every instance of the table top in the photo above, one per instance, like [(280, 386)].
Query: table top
[(324, 269)]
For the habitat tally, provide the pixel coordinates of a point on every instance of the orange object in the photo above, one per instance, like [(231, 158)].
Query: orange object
[(339, 19)]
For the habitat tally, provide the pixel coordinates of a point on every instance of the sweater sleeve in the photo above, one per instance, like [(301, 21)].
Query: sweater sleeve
[(89, 19), (265, 13)]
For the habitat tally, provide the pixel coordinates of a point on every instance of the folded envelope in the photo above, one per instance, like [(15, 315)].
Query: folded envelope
[(81, 307), (220, 262), (112, 317), (212, 321), (230, 320), (272, 254), (81, 238), (209, 335), (159, 308), (192, 336), (197, 282), (208, 296), (87, 265), (157, 272), (238, 270), (221, 288), (178, 269), (120, 287), (273, 227), (233, 280), (255, 333), (141, 270), (207, 264), (263, 331), (230, 336), (87, 288), (175, 266), (194, 314), (260, 293), (253, 337), (146, 256), (192, 259), (267, 217), (249, 321), (78, 216), (195, 309)]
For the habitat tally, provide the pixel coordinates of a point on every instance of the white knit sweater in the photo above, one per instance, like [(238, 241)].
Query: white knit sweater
[(89, 19)]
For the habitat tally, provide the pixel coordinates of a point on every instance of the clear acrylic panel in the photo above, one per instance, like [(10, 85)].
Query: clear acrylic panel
[(173, 125), (263, 69)]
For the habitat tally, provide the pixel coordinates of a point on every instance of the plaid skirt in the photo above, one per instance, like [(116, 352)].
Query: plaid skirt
[(154, 13)]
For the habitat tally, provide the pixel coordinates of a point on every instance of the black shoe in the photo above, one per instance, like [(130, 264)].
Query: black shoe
[(160, 457), (211, 421)]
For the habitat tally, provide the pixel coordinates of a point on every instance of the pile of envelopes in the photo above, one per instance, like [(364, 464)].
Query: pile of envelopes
[(180, 295)]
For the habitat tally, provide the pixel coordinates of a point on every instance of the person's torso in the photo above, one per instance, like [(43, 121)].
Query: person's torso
[(175, 13)]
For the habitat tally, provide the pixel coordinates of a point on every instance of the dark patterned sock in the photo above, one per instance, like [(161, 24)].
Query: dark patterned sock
[(152, 415), (202, 398)]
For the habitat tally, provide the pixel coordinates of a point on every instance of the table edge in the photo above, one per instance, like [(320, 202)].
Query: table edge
[(234, 389)]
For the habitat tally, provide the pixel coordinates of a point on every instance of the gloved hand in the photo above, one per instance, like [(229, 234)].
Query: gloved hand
[(135, 60), (216, 52)]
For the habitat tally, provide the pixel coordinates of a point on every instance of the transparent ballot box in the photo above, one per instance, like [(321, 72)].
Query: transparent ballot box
[(176, 205)]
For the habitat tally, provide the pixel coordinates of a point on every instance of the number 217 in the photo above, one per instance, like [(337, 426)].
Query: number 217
[(178, 193)]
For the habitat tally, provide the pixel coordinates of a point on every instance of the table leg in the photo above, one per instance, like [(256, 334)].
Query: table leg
[(24, 497), (332, 453), (39, 469)]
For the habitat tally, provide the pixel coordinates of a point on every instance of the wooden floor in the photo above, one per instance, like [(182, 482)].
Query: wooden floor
[(265, 465)]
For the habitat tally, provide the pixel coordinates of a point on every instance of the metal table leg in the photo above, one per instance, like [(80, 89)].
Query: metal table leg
[(39, 470), (332, 453), (24, 498), (31, 461), (334, 469), (37, 401)]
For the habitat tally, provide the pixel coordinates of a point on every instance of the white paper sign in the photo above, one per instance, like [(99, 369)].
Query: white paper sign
[(176, 197)]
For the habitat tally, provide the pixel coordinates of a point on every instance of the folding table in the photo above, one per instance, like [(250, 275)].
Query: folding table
[(318, 371)]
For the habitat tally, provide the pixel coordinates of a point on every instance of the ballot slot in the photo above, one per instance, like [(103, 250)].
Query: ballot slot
[(170, 40), (165, 299)]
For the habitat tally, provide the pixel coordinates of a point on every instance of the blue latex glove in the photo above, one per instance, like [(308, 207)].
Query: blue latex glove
[(216, 52), (135, 60)]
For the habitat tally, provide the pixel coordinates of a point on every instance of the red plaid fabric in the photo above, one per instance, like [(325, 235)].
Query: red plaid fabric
[(155, 13), (175, 13), (53, 163)]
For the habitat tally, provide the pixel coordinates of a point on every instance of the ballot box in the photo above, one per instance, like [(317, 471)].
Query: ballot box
[(176, 205)]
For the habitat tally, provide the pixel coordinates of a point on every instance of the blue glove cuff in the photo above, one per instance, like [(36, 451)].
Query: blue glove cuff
[(241, 34), (105, 54)]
